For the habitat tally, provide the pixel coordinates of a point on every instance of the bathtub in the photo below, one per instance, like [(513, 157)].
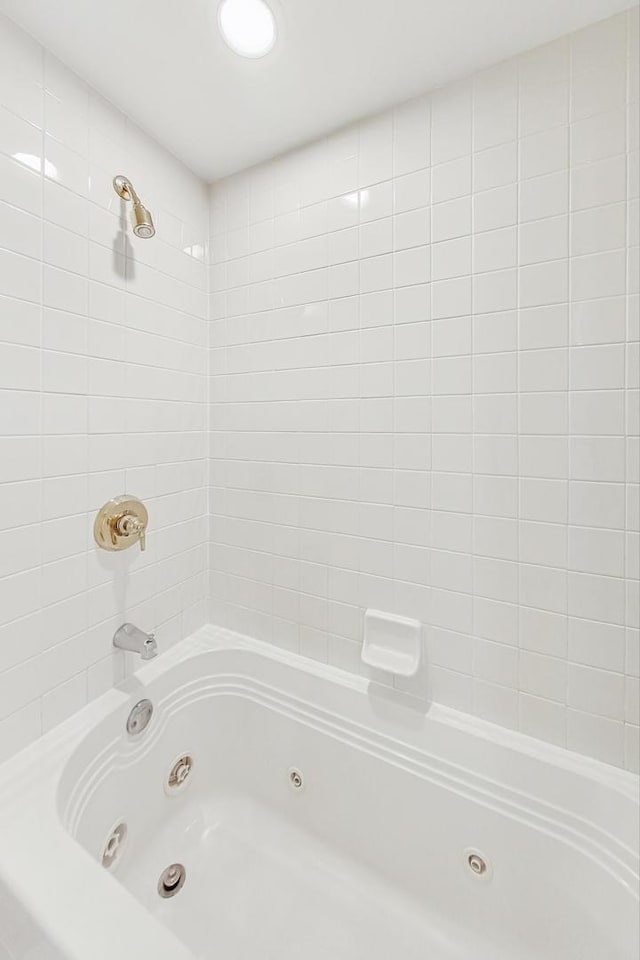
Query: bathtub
[(309, 814)]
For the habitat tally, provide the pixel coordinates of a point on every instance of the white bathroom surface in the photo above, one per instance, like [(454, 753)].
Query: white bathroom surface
[(368, 858), (258, 887)]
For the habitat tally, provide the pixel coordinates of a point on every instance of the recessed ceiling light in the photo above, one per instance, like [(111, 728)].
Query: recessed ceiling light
[(247, 26)]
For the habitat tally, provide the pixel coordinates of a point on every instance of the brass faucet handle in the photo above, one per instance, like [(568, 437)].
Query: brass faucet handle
[(120, 523), (130, 525)]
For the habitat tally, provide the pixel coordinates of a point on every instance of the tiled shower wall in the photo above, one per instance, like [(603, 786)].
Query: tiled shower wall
[(103, 388), (425, 391)]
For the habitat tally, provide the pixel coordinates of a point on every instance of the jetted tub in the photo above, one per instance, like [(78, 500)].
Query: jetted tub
[(315, 816)]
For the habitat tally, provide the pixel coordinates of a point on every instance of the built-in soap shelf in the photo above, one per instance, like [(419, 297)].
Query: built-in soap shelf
[(391, 643)]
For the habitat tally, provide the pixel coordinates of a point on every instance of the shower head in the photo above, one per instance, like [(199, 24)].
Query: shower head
[(141, 219)]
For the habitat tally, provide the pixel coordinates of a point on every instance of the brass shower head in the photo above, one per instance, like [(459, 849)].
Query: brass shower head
[(141, 219)]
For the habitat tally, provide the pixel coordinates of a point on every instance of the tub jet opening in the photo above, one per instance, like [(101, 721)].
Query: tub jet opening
[(171, 880), (113, 846), (479, 865), (180, 772), (296, 778)]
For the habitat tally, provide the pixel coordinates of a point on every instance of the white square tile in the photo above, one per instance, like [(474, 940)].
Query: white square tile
[(375, 309), (600, 182), (21, 73), (20, 231), (451, 180), (495, 413), (451, 123), (451, 258), (495, 250), (544, 413), (546, 457), (412, 341), (597, 504), (376, 238), (376, 201), (544, 500), (495, 167), (544, 152), (543, 370), (66, 106), (412, 229), (597, 458), (596, 551), (596, 691), (545, 327), (495, 105), (543, 106), (411, 191), (598, 90), (376, 150), (495, 332), (496, 496), (542, 631), (495, 291), (451, 298), (543, 543), (451, 415), (20, 184), (597, 367), (597, 644), (596, 597), (496, 208), (451, 337), (545, 196), (597, 412), (21, 276), (598, 275), (543, 676), (599, 136), (544, 283), (411, 136), (376, 273), (451, 219), (411, 266), (598, 321), (412, 304), (543, 240)]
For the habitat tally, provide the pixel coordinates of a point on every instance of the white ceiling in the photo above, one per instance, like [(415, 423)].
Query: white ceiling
[(164, 64)]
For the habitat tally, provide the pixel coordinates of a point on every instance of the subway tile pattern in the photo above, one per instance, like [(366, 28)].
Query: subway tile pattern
[(424, 390), (103, 389)]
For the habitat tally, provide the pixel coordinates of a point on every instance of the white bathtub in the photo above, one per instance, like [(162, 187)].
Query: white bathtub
[(369, 858)]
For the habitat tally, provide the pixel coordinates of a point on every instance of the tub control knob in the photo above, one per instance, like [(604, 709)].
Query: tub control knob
[(120, 523), (128, 525)]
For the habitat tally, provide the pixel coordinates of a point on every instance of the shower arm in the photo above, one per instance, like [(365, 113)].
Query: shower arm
[(126, 190)]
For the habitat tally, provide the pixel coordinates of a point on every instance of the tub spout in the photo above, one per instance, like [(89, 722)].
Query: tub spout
[(131, 638)]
